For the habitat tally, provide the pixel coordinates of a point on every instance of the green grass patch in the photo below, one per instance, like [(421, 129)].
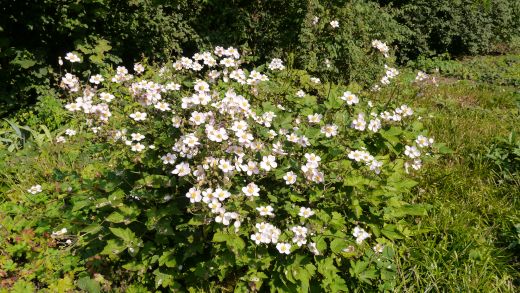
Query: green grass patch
[(472, 243)]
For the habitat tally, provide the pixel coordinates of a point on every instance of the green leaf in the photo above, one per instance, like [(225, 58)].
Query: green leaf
[(164, 280), (233, 241), (116, 217), (362, 271), (113, 247), (337, 245), (168, 259), (89, 285), (130, 240), (331, 281), (391, 232), (91, 229), (392, 134), (356, 208), (155, 181)]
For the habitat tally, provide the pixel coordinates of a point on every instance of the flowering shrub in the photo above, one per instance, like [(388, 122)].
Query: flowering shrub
[(217, 174)]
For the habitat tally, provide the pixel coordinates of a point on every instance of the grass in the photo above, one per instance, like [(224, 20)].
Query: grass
[(472, 234)]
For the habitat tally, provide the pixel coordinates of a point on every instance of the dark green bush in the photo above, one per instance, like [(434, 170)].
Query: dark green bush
[(280, 28), (454, 26), (33, 35), (347, 47)]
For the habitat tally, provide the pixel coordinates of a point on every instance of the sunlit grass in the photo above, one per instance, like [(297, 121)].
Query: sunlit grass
[(472, 220)]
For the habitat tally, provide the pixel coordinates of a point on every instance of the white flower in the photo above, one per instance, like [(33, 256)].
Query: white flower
[(314, 118), (228, 62), (257, 238), (421, 76), (251, 168), (329, 130), (197, 118), (106, 97), (290, 178), (374, 125), (276, 64), (268, 163), (182, 169), (138, 68), (35, 189), (208, 195), (405, 110), (412, 152), (194, 195), (284, 248), (225, 166), (251, 190), (60, 139), (360, 234), (217, 135), (231, 51), (359, 123), (61, 232), (138, 116), (299, 231), (73, 107), (191, 140), (313, 249), (138, 147), (239, 126), (176, 121), (293, 137), (226, 218), (221, 194), (121, 70), (300, 94), (169, 158), (70, 132), (315, 80), (265, 211), (350, 98), (96, 79), (382, 47), (305, 212), (312, 160), (215, 207), (161, 106), (334, 24), (172, 86), (137, 136), (423, 141), (315, 20), (201, 86), (299, 240), (378, 248), (72, 57)]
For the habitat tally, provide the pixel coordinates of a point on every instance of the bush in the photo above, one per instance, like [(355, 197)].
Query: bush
[(35, 34), (455, 27), (345, 50), (280, 180), (161, 30)]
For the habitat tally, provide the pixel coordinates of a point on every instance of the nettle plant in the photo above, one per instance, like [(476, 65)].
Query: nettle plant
[(218, 175)]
